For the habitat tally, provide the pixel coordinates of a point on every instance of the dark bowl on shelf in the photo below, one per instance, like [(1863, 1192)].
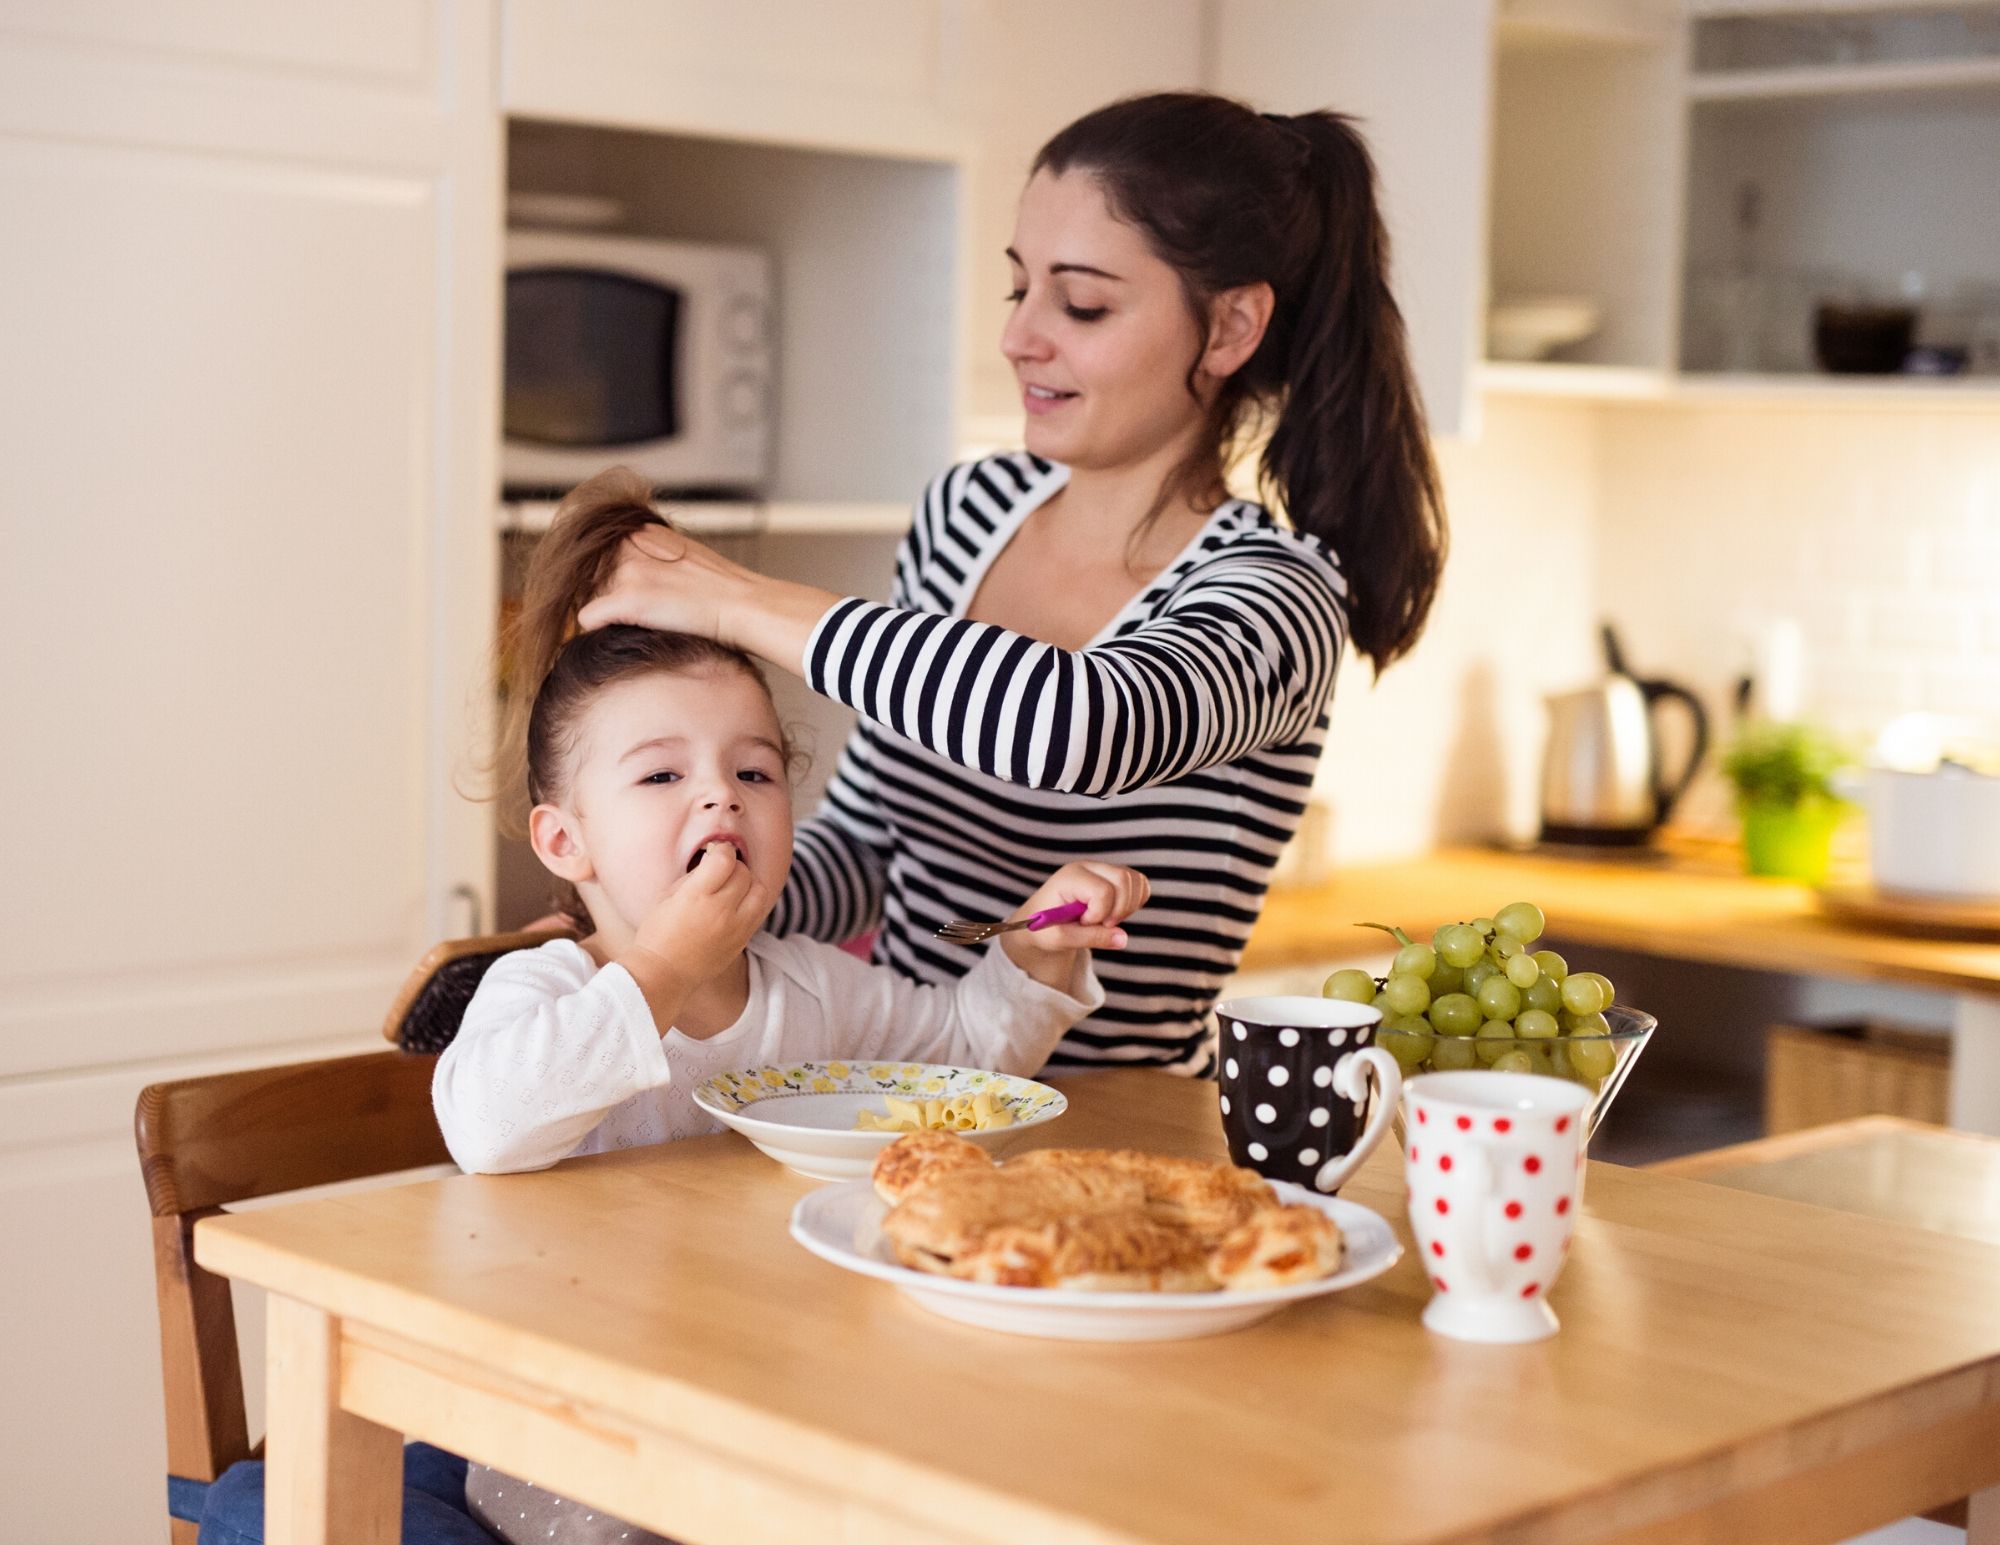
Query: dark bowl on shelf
[(1862, 340)]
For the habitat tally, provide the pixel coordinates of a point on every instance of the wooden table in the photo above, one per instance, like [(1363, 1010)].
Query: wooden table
[(637, 1331), (1881, 1166), (1689, 908)]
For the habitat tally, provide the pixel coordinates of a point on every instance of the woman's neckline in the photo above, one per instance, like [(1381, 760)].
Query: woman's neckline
[(1045, 487)]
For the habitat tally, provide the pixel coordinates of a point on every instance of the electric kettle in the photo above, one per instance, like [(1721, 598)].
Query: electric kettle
[(1601, 778)]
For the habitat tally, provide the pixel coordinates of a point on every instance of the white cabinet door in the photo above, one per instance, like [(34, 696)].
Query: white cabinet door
[(249, 294), (869, 75), (1418, 74)]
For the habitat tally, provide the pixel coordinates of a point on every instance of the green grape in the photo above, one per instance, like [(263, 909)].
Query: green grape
[(1559, 1063), (1523, 972), (1592, 1058), (1582, 994), (1610, 993), (1414, 960), (1588, 1024), (1505, 947), (1536, 1025), (1545, 993), (1553, 965), (1455, 1014), (1459, 945), (1351, 985), (1499, 998), (1484, 925), (1446, 979), (1495, 1039), (1522, 920), (1513, 1062), (1406, 995), (1452, 1054), (1539, 1059), (1407, 1039), (1479, 973)]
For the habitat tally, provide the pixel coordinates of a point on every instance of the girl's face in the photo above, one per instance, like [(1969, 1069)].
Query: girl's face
[(665, 763), (1101, 338)]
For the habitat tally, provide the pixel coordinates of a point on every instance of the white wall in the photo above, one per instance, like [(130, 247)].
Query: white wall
[(1879, 532), (1447, 746)]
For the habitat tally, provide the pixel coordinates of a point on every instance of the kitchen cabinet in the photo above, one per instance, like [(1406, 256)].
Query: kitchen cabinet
[(251, 264), (865, 75), (1842, 155)]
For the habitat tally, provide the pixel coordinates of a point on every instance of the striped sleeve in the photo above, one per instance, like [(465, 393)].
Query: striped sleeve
[(840, 856), (1241, 656)]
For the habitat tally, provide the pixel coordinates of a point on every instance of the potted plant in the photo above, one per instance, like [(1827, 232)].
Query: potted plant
[(1783, 775)]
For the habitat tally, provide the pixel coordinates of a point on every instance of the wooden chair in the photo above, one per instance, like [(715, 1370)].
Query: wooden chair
[(207, 1142)]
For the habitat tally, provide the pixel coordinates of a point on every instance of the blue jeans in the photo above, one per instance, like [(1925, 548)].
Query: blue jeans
[(433, 1503)]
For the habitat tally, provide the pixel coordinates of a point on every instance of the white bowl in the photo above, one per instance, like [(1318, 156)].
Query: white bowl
[(1530, 329), (802, 1113)]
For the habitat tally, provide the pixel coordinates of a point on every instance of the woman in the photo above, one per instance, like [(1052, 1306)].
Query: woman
[(1091, 650)]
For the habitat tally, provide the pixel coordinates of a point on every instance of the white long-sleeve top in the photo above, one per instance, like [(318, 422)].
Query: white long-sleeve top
[(558, 1056)]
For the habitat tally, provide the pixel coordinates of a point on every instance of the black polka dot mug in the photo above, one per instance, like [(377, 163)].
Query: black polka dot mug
[(1296, 1095), (1495, 1166)]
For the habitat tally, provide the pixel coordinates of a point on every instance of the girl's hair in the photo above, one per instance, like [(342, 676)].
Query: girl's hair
[(1229, 196), (553, 672)]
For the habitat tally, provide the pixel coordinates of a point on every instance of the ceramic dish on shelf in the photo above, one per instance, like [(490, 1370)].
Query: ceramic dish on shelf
[(802, 1113), (841, 1224)]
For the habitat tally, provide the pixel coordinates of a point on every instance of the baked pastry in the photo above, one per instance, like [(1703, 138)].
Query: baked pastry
[(1276, 1249), (1094, 1220), (913, 1161)]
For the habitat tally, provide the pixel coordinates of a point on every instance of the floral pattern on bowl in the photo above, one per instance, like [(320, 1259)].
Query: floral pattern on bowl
[(1024, 1097)]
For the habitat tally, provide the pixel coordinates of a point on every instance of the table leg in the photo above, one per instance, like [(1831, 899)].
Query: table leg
[(330, 1478), (1975, 1063)]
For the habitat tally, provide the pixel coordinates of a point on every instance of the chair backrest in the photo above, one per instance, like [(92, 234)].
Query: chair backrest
[(427, 1012), (231, 1137)]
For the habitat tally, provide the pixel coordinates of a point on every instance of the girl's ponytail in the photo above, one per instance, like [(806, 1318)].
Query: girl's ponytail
[(1349, 455), (570, 565)]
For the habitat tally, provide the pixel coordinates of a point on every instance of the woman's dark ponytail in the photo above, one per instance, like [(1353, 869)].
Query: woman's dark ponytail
[(1231, 197), (1350, 454)]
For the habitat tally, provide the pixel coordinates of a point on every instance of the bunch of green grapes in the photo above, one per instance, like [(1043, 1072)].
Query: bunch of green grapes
[(1478, 995)]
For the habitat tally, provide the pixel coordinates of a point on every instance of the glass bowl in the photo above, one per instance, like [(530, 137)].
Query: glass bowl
[(1630, 1029)]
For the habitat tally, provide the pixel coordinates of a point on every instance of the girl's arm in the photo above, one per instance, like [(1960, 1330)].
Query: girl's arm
[(995, 1016), (548, 1047)]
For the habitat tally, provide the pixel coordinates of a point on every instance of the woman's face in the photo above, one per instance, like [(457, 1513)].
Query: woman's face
[(1101, 338)]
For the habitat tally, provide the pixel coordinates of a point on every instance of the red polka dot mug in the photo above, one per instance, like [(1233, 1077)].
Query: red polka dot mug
[(1495, 1166)]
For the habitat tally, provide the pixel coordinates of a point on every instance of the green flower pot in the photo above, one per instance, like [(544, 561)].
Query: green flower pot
[(1790, 842)]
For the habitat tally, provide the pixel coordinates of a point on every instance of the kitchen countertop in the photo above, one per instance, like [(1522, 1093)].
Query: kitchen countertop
[(1695, 904)]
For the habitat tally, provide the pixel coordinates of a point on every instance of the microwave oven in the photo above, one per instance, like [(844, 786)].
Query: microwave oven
[(656, 355)]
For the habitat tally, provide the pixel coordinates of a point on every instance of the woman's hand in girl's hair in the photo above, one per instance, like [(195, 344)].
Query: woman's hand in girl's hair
[(668, 581), (664, 580), (1110, 894), (696, 930)]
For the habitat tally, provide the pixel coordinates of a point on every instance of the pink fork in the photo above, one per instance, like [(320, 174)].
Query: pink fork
[(963, 932)]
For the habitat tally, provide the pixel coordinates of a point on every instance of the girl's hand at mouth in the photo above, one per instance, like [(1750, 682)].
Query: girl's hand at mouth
[(697, 929)]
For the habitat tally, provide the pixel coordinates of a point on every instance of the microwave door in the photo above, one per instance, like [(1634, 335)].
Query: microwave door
[(592, 359)]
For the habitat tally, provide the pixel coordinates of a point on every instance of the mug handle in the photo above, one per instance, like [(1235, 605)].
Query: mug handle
[(1350, 1081)]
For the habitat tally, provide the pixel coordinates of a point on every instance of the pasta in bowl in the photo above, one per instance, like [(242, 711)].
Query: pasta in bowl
[(807, 1115)]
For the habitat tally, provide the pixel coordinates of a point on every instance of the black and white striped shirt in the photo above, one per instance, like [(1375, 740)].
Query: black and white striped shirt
[(1181, 741)]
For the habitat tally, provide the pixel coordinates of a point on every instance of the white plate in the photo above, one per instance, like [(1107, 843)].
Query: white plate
[(842, 1224), (802, 1113)]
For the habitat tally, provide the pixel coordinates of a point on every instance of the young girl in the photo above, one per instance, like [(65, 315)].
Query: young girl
[(657, 775)]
